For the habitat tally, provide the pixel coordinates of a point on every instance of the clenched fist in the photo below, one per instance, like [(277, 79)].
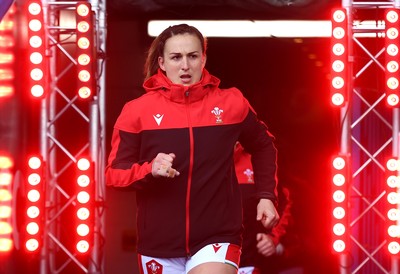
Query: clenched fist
[(162, 166)]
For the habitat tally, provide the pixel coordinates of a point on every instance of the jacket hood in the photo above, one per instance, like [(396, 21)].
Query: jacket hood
[(175, 92)]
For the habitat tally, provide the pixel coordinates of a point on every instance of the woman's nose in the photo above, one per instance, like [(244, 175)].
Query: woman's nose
[(185, 63)]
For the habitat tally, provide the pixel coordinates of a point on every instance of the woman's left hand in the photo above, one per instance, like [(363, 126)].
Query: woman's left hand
[(267, 214)]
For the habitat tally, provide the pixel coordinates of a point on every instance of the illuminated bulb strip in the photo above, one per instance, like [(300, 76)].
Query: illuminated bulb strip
[(392, 205), (340, 177), (36, 49), (7, 54), (392, 43), (34, 214), (84, 205), (338, 88), (85, 47), (6, 229)]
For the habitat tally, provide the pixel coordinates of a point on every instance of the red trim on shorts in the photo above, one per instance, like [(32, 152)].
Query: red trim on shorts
[(233, 254)]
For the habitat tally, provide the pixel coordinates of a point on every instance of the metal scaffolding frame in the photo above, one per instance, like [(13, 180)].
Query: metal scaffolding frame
[(364, 116), (370, 132), (70, 128)]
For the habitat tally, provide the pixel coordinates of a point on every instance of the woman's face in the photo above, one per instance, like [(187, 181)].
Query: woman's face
[(183, 60)]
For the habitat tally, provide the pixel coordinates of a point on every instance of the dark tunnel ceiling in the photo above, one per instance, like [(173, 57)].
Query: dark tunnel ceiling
[(223, 9)]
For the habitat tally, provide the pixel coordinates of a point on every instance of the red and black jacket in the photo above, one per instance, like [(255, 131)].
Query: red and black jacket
[(200, 124)]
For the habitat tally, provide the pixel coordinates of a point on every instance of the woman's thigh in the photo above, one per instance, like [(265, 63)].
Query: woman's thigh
[(211, 268), (215, 258), (150, 265)]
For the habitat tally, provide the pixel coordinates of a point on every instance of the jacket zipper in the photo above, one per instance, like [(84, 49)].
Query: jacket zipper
[(189, 183)]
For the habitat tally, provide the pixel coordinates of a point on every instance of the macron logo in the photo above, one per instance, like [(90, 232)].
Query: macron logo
[(158, 118), (216, 247)]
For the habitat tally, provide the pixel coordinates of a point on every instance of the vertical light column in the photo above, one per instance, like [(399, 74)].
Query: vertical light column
[(36, 49), (35, 197), (6, 197), (393, 201), (339, 83), (392, 39), (84, 205), (7, 54), (85, 50), (340, 178)]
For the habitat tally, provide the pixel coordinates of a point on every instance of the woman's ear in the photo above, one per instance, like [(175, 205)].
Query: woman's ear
[(204, 60), (161, 63)]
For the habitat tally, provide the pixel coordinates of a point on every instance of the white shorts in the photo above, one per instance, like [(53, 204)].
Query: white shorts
[(248, 270), (221, 252)]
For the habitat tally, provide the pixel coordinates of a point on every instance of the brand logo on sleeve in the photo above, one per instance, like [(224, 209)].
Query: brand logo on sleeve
[(158, 118), (218, 114)]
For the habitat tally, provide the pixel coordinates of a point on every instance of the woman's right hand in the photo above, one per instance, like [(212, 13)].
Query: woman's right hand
[(162, 166)]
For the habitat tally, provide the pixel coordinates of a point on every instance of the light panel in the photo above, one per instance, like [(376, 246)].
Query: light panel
[(37, 67), (249, 28), (6, 198), (392, 180), (84, 205), (7, 54), (392, 43), (339, 58), (34, 207), (340, 182), (85, 51)]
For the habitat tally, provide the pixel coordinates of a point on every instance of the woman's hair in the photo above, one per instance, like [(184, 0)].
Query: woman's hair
[(157, 46)]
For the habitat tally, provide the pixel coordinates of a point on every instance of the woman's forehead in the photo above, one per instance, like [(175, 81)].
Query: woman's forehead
[(183, 42)]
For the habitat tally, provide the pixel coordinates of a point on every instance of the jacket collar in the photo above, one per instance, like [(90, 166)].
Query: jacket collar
[(177, 93)]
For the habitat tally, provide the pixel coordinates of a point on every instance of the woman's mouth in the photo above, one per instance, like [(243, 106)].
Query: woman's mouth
[(186, 78)]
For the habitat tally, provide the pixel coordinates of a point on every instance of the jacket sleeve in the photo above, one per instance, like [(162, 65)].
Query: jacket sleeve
[(285, 208), (259, 142), (123, 167)]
